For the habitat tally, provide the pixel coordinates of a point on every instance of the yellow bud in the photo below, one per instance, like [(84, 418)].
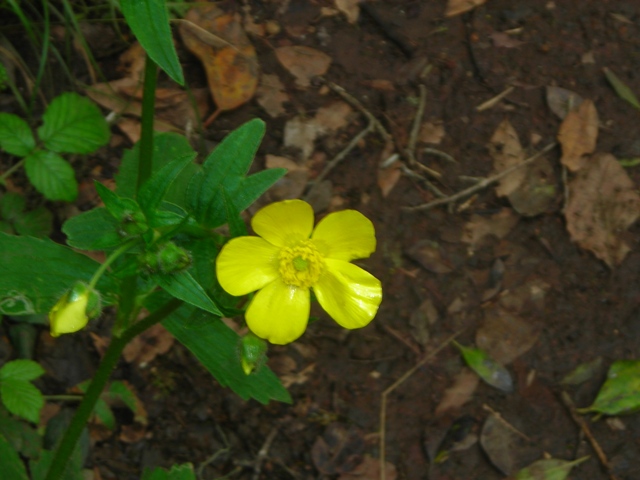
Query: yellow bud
[(70, 313)]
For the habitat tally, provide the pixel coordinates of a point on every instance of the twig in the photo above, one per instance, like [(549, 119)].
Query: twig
[(505, 423), (480, 185), (410, 173), (439, 153), (262, 454), (396, 384), (566, 399), (493, 101), (356, 103), (415, 128), (340, 156), (216, 454)]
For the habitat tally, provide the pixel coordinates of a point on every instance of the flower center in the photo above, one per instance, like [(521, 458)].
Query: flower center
[(301, 264)]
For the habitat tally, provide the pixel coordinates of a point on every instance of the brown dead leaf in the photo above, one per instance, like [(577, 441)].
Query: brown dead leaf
[(538, 191), (301, 133), (271, 95), (504, 40), (370, 469), (505, 336), (602, 205), (132, 433), (149, 344), (479, 226), (561, 101), (338, 450), (455, 396), (431, 256), (333, 117), (578, 135), (290, 186), (226, 53), (432, 132), (456, 7), (350, 9), (388, 174), (506, 151), (424, 317), (303, 63), (298, 378)]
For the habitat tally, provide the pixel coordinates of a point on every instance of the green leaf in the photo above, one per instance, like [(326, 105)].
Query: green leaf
[(582, 372), (101, 410), (166, 148), (215, 345), (16, 137), (226, 168), (548, 469), (12, 466), (153, 190), (183, 286), (21, 398), (40, 467), (93, 230), (621, 89), (36, 223), (487, 368), (73, 124), (20, 434), (117, 206), (620, 393), (34, 273), (25, 370), (51, 175), (177, 472), (12, 206), (149, 21), (629, 162)]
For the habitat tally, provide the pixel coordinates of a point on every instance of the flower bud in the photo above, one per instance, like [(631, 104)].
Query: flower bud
[(169, 258), (253, 353), (132, 223), (73, 310)]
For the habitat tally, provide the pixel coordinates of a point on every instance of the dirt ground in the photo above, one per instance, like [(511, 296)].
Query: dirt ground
[(502, 273)]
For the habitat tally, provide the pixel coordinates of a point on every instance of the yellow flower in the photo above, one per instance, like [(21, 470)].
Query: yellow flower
[(289, 257), (73, 310)]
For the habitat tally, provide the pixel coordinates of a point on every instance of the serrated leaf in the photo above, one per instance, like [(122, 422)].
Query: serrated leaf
[(24, 370), (166, 148), (51, 175), (215, 345), (621, 89), (149, 21), (226, 168), (487, 368), (21, 398), (177, 472), (12, 466), (34, 273), (22, 437), (36, 223), (73, 124), (117, 206), (183, 286), (11, 206), (16, 137), (93, 230), (548, 469), (620, 393)]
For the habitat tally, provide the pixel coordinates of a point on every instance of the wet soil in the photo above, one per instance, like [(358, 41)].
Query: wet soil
[(587, 311)]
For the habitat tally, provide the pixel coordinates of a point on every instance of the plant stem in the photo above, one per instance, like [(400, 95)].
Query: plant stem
[(145, 163), (110, 259), (8, 173), (109, 361)]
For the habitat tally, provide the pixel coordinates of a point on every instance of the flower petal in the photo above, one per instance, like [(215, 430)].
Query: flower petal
[(246, 264), (345, 235), (279, 312), (348, 293), (282, 223)]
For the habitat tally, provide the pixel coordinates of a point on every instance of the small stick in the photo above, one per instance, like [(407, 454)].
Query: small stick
[(340, 156), (262, 454), (480, 185), (566, 399), (415, 128), (493, 101), (439, 153), (356, 103), (411, 174), (396, 384)]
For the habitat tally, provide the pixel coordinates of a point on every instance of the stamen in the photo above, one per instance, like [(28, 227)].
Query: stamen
[(301, 265)]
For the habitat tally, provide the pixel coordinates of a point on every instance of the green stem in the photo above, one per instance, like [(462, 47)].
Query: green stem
[(145, 164), (109, 361), (8, 173), (63, 398), (110, 259)]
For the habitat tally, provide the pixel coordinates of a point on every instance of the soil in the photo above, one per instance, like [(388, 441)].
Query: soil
[(532, 278)]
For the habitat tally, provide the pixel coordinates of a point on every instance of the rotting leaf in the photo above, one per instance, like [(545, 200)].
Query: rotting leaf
[(582, 372), (350, 8), (460, 392), (431, 256), (480, 226), (456, 7), (602, 205), (620, 394), (507, 152), (538, 192), (148, 345), (502, 445), (303, 63), (226, 53), (578, 135), (561, 101), (548, 469), (370, 468), (271, 95), (621, 89), (338, 450), (487, 368)]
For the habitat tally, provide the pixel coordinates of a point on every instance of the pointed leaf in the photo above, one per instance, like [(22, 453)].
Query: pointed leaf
[(51, 175), (149, 21), (12, 466), (621, 89), (16, 137), (183, 286), (620, 393), (73, 124), (548, 469), (488, 369), (21, 398), (24, 370)]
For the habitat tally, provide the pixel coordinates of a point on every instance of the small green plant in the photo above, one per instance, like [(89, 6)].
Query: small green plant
[(70, 124), (16, 220)]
